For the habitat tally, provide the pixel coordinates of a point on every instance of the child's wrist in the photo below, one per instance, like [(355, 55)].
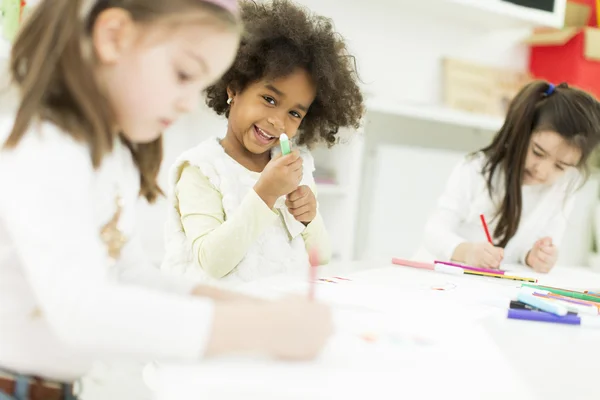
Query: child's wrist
[(269, 200)]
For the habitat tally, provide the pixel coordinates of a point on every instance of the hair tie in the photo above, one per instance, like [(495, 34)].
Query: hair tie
[(550, 89)]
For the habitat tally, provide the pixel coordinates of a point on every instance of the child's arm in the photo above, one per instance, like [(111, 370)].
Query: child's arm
[(316, 237), (49, 217), (219, 245), (135, 267), (441, 239), (543, 253)]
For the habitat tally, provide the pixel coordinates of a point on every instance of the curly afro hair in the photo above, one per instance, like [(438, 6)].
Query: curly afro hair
[(280, 37)]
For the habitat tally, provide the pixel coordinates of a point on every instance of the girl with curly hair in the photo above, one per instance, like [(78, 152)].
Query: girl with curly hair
[(240, 209)]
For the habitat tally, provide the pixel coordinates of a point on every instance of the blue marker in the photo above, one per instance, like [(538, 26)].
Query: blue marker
[(542, 304), (527, 315)]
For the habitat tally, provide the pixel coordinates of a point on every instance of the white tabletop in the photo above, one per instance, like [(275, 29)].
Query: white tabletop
[(485, 355)]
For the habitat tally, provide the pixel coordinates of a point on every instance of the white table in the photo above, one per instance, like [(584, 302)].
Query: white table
[(551, 361)]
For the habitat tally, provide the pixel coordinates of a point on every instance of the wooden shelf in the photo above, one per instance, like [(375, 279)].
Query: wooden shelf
[(435, 113)]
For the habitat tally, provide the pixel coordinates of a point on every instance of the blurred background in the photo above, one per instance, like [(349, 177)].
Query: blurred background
[(437, 75)]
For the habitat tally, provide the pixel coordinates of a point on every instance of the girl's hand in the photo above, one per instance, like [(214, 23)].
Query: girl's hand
[(481, 255), (281, 176), (543, 256), (302, 204)]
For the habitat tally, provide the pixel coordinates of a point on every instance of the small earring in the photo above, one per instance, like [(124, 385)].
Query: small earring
[(229, 100)]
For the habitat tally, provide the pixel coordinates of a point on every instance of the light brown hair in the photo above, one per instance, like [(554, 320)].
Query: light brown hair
[(572, 113), (52, 65)]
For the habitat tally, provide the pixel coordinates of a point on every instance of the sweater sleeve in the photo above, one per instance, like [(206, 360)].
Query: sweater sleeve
[(49, 217), (219, 245)]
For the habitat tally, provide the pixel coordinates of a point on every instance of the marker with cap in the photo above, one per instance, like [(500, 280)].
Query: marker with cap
[(579, 306), (542, 304), (540, 316), (565, 292), (284, 142), (469, 268), (580, 309)]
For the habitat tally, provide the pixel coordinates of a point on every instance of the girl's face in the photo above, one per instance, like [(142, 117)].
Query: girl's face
[(154, 74), (548, 157), (267, 108)]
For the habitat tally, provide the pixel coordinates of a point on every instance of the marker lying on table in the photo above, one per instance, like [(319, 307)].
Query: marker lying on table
[(576, 307), (501, 276), (432, 267), (540, 316), (469, 268), (580, 306), (284, 142), (565, 292), (519, 305), (542, 304), (449, 269)]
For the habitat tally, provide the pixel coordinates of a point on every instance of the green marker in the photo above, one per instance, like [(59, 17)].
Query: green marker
[(566, 293), (284, 141)]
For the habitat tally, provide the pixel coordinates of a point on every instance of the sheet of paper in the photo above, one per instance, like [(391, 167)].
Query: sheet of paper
[(401, 357)]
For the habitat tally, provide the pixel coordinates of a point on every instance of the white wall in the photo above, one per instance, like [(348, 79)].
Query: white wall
[(399, 45)]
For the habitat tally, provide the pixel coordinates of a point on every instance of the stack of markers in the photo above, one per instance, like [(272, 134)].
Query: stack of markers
[(562, 306)]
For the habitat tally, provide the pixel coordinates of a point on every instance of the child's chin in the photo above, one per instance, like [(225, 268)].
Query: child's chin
[(258, 148)]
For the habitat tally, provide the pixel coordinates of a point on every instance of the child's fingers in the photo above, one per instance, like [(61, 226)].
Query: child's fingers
[(495, 253), (548, 250), (490, 261), (292, 158), (299, 193), (297, 203), (543, 257), (547, 241), (296, 212), (296, 166)]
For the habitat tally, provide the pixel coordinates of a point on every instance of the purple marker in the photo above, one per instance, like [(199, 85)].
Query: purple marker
[(485, 270), (547, 317)]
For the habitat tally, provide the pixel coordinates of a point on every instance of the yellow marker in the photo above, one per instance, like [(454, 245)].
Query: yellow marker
[(509, 277)]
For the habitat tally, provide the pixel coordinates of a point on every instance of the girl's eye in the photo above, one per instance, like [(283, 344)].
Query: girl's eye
[(538, 154), (560, 167), (269, 100), (295, 114)]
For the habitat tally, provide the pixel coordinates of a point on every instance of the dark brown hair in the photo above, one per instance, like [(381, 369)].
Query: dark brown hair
[(572, 113), (52, 65), (281, 37)]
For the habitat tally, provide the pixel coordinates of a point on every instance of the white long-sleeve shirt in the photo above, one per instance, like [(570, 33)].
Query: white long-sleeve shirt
[(456, 220), (60, 305)]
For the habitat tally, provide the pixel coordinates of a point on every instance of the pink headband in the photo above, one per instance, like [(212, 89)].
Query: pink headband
[(228, 5)]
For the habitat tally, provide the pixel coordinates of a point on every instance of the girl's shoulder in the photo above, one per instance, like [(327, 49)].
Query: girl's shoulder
[(44, 138), (471, 166)]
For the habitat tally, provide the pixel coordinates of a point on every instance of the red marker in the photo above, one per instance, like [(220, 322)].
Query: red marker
[(485, 228), (313, 258)]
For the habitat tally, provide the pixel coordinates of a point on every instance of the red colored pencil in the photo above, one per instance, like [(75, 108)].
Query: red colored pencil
[(313, 258), (485, 228)]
